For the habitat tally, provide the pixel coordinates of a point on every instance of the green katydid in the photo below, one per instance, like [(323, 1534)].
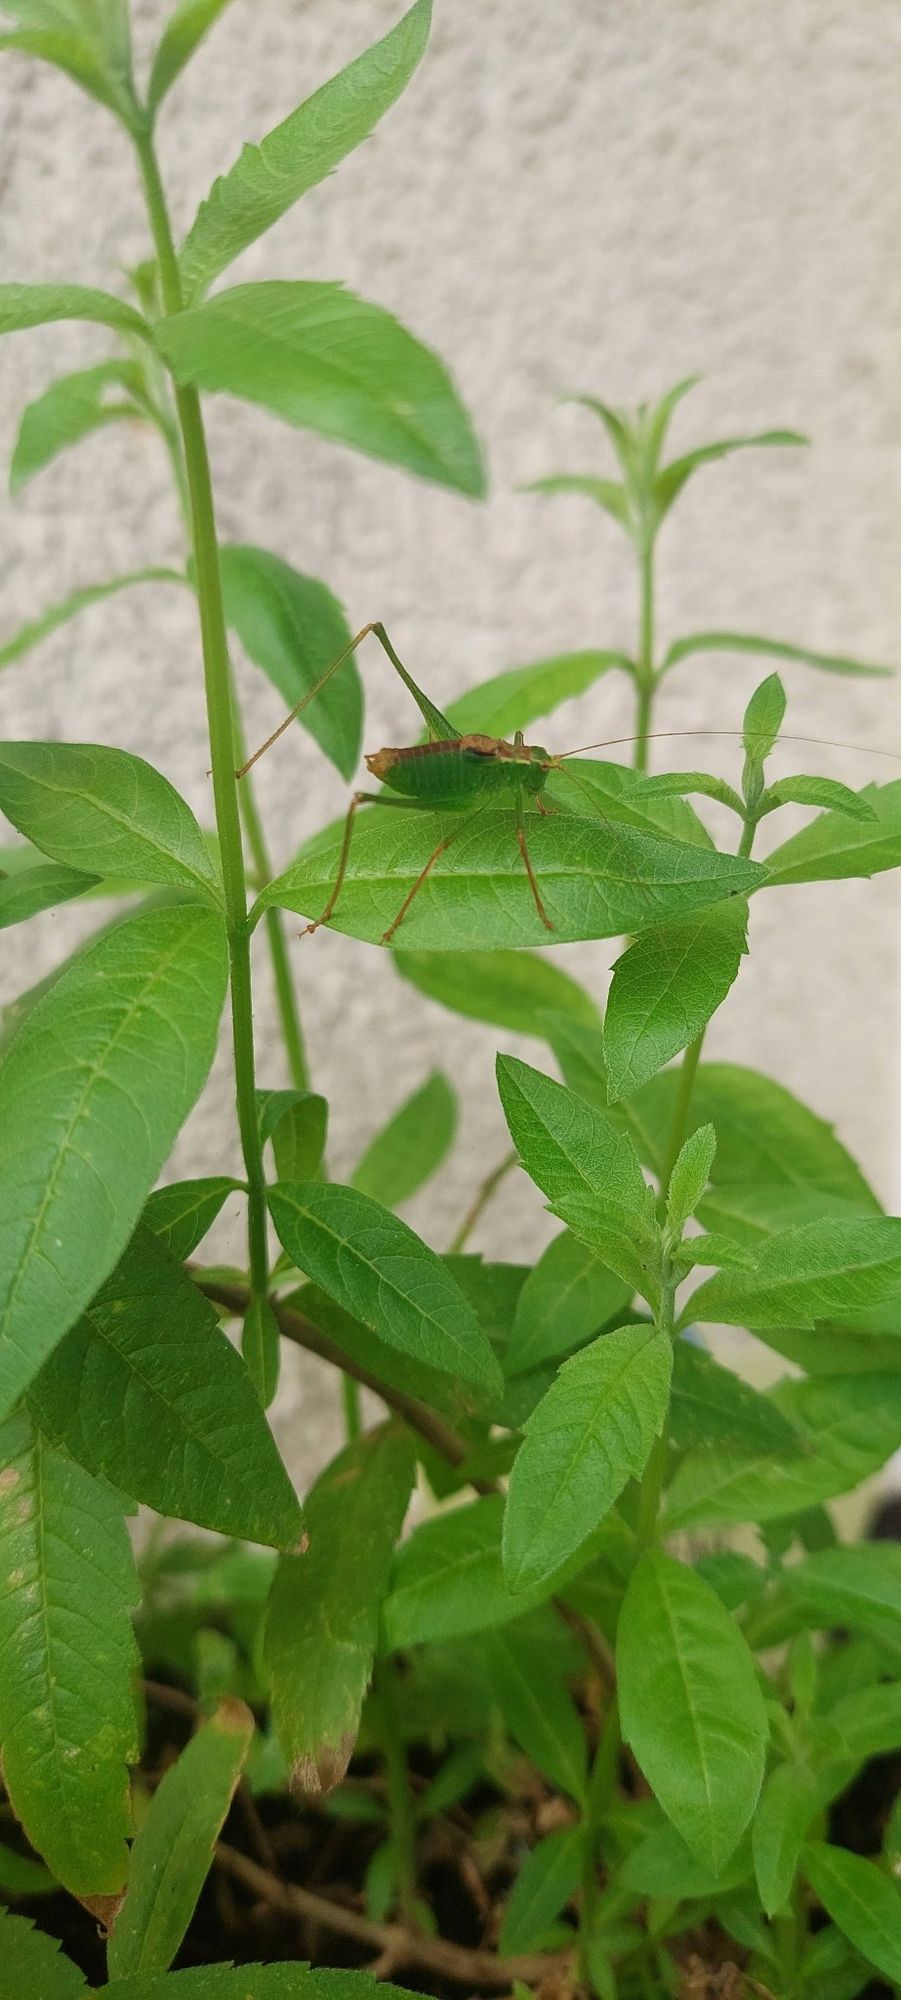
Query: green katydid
[(449, 773), (457, 773)]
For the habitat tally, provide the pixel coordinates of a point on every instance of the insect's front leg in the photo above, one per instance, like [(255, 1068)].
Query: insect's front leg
[(359, 799), (400, 804)]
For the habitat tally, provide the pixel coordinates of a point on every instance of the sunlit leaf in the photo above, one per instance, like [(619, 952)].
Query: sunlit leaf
[(330, 362), (267, 180)]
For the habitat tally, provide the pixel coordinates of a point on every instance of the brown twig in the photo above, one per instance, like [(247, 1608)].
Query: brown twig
[(393, 1945), (294, 1325)]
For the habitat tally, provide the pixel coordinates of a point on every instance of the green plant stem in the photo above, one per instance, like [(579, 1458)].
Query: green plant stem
[(679, 1128), (217, 681), (488, 1189), (397, 1778), (286, 998), (644, 664), (747, 838), (601, 1791), (350, 1400)]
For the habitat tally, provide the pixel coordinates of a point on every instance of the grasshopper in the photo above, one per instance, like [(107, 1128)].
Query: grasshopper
[(458, 773), (449, 773)]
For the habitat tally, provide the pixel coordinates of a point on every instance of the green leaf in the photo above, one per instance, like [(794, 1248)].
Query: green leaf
[(19, 1876), (293, 627), (31, 890), (173, 1850), (509, 989), (665, 784), (290, 1981), (861, 1725), (68, 411), (330, 362), (40, 628), (774, 649), (665, 989), (106, 812), (448, 1580), (802, 791), (34, 1964), (22, 306), (711, 1406), (619, 793), (848, 1424), (589, 1172), (376, 1269), (763, 1134), (834, 848), (860, 1900), (148, 1391), (548, 1878), (592, 1431), (89, 39), (267, 180), (596, 880), (410, 1148), (790, 1799), (804, 1274), (691, 1706), (606, 493), (536, 1706), (67, 1660), (297, 1123), (690, 1176), (662, 1865), (94, 1086), (182, 1213), (323, 1619), (859, 1586), (619, 428), (184, 30), (567, 1296), (657, 422), (763, 719), (669, 483), (383, 1362), (513, 700)]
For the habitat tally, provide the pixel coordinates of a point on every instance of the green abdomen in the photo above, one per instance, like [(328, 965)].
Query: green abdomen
[(442, 773)]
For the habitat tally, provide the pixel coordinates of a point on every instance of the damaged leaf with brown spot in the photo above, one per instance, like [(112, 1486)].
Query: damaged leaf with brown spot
[(323, 1618)]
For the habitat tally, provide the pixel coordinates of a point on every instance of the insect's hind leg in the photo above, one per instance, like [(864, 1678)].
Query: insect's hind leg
[(524, 851)]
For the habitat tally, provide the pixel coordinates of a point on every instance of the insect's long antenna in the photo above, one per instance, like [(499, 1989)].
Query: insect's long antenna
[(658, 735)]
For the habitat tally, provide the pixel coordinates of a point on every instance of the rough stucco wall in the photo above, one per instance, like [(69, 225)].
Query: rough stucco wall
[(576, 196)]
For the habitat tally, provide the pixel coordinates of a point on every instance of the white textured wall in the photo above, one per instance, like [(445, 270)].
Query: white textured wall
[(574, 194)]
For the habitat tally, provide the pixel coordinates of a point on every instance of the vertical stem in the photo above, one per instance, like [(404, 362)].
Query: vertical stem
[(286, 999), (679, 1127), (216, 670), (645, 658), (353, 1415)]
